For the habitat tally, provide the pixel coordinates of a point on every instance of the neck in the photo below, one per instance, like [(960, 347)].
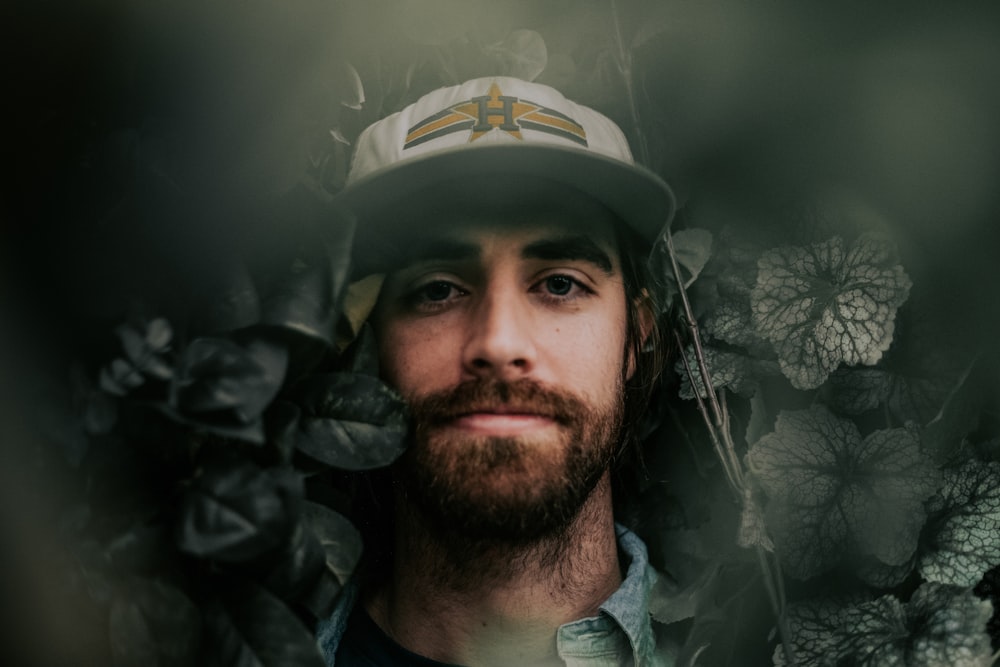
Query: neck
[(478, 602)]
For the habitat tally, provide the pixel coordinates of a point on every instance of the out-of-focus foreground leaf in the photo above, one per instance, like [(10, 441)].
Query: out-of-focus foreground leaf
[(248, 627), (236, 511), (353, 422)]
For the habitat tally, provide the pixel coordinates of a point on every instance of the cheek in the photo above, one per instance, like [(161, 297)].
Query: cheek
[(412, 359), (589, 354)]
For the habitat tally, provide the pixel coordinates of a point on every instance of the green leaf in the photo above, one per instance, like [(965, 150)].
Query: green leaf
[(940, 625), (853, 390), (216, 375), (349, 421), (152, 624), (248, 626), (303, 271), (297, 567), (347, 83), (731, 321), (811, 625), (832, 493), (734, 370), (236, 511), (825, 305), (340, 540), (521, 54), (144, 348), (692, 250), (963, 534)]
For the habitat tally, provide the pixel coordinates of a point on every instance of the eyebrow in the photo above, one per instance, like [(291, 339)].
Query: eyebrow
[(571, 248)]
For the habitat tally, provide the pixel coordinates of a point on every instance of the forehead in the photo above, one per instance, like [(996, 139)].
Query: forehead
[(536, 235), (492, 218)]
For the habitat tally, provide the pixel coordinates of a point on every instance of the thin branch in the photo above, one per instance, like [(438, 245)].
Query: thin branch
[(719, 451)]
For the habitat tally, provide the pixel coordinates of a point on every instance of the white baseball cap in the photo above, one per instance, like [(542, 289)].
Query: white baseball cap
[(499, 126)]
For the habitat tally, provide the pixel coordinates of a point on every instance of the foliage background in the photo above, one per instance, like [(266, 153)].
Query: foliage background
[(153, 149)]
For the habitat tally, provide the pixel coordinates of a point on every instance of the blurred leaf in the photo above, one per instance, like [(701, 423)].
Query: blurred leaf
[(120, 377), (298, 565), (361, 357), (831, 492), (853, 390), (152, 624), (144, 348), (359, 301), (670, 603), (963, 534), (235, 511), (216, 375), (340, 540), (304, 268), (248, 627), (353, 422), (348, 84), (877, 574), (692, 250), (522, 54), (825, 305)]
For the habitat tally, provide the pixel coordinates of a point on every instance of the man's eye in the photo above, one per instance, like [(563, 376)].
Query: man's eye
[(559, 285), (438, 290)]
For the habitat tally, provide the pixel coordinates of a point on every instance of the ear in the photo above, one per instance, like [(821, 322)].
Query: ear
[(643, 319)]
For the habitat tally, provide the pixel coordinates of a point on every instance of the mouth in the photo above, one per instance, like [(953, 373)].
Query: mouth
[(501, 422)]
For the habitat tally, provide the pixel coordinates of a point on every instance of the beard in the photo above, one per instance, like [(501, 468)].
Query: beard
[(515, 489)]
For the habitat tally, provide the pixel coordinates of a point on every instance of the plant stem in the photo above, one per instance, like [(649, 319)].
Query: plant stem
[(625, 67)]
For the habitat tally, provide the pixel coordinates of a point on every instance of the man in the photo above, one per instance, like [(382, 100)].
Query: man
[(513, 318)]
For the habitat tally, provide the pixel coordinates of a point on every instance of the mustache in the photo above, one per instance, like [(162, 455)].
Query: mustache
[(521, 396)]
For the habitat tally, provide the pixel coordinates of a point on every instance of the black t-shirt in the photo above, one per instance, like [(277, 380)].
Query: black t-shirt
[(364, 644)]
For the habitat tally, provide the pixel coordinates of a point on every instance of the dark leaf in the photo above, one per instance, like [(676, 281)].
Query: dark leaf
[(831, 492), (362, 356), (236, 511), (248, 627), (692, 250), (303, 278), (153, 624), (298, 566), (145, 348), (827, 304), (963, 534), (353, 422), (217, 375), (341, 541)]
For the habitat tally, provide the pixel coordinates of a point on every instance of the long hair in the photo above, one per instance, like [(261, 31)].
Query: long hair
[(648, 344)]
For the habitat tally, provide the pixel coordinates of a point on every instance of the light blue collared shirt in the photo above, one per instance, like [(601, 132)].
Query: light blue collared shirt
[(620, 634)]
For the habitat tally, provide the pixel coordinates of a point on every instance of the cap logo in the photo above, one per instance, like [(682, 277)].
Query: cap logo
[(495, 111)]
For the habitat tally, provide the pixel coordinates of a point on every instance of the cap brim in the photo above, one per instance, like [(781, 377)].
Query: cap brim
[(635, 194)]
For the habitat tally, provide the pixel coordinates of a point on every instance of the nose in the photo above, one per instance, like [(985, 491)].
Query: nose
[(500, 340)]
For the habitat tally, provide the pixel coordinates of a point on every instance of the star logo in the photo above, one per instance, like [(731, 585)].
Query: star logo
[(495, 112)]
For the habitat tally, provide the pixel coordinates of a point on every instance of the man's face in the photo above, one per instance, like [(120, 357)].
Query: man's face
[(507, 337)]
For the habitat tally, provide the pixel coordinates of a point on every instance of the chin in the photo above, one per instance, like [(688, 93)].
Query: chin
[(507, 489)]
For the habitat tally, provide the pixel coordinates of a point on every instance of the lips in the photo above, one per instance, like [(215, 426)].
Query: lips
[(521, 404), (501, 423)]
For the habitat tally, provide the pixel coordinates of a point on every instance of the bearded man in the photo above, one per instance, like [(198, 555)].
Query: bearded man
[(512, 226)]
